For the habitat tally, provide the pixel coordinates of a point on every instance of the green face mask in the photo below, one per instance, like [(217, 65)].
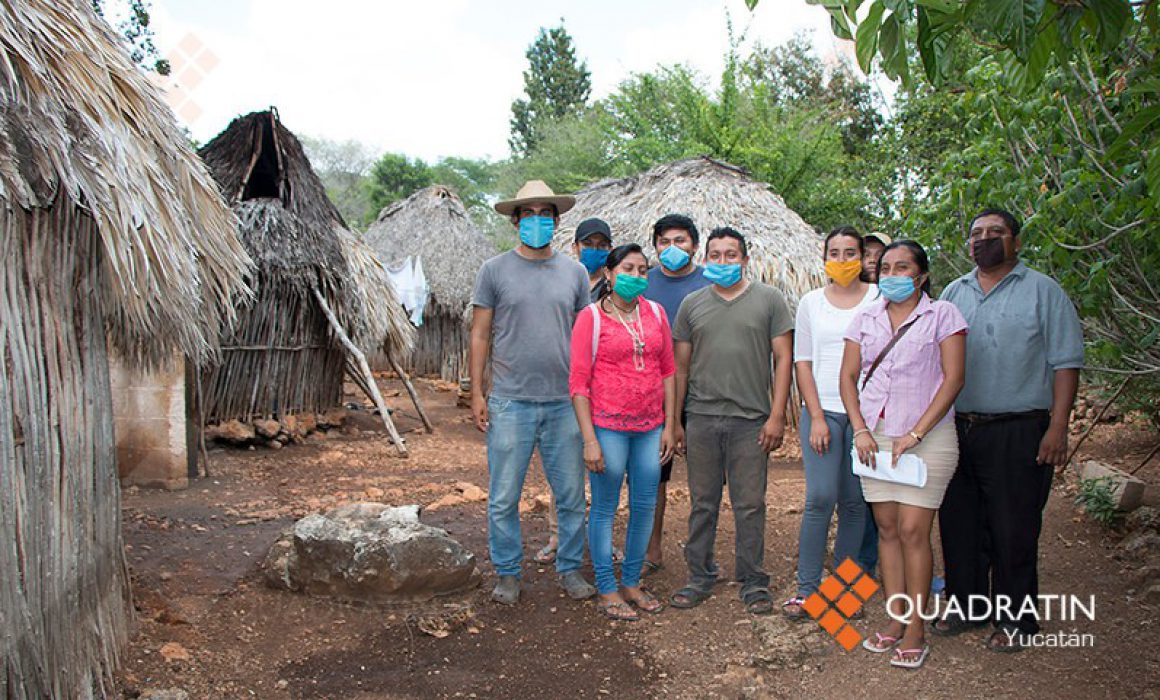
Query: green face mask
[(629, 287)]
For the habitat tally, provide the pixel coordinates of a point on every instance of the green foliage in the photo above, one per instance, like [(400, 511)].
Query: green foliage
[(1096, 498), (343, 167), (556, 86), (812, 132), (135, 29), (395, 176), (1051, 110)]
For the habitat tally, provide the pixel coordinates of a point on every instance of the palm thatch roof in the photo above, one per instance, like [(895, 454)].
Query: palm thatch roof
[(374, 291), (111, 230), (784, 250), (83, 127), (296, 235), (434, 224)]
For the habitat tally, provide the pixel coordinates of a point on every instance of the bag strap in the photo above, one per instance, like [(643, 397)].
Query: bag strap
[(594, 308), (886, 350)]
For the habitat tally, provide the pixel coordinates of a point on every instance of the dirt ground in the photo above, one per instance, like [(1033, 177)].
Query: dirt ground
[(207, 623)]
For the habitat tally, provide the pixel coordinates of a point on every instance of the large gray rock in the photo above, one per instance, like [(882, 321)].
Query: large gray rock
[(370, 553)]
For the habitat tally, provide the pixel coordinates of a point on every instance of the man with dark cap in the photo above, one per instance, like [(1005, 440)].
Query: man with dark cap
[(591, 246)]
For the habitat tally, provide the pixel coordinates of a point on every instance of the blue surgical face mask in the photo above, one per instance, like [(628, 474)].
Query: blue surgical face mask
[(537, 231), (896, 288), (593, 259), (723, 275), (673, 258)]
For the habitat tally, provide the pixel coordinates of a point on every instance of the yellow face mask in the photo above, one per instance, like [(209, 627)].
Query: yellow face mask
[(844, 272)]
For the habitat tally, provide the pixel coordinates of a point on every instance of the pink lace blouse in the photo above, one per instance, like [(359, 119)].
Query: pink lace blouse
[(622, 396)]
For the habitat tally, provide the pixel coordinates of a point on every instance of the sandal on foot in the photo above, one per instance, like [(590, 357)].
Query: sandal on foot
[(953, 626), (688, 597), (880, 644), (1003, 643), (646, 602), (649, 568), (618, 611), (547, 555), (913, 663), (793, 609), (758, 601)]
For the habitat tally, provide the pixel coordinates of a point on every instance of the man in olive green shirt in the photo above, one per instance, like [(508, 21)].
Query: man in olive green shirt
[(724, 335)]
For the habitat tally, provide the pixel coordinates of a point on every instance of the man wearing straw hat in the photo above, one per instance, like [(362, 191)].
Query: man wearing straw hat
[(524, 304)]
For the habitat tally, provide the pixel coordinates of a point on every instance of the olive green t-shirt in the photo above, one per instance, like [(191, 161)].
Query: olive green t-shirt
[(731, 369)]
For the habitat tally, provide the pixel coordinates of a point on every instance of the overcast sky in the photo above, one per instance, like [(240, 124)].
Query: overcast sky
[(433, 78)]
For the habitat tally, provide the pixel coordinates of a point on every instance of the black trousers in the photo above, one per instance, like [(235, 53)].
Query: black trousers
[(992, 514)]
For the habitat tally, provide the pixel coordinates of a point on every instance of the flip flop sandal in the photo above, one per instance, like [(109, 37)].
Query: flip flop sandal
[(688, 597), (647, 602), (758, 602), (787, 608), (621, 612), (1000, 643), (547, 555), (880, 644), (650, 568), (953, 626), (900, 660)]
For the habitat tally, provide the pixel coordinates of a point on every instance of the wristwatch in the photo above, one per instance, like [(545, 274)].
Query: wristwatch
[(916, 436)]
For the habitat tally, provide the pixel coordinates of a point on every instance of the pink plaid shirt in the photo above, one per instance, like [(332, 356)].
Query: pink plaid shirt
[(910, 375)]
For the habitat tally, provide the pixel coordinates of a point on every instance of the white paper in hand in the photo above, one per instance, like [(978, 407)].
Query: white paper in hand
[(910, 470)]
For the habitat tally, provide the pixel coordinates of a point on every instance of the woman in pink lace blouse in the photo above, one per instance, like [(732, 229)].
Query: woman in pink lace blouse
[(624, 393), (901, 370)]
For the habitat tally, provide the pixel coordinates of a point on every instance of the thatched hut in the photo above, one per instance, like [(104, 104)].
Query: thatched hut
[(434, 225), (784, 250), (317, 286), (114, 237)]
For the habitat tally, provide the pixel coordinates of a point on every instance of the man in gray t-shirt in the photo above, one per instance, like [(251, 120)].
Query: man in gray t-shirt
[(724, 337), (524, 304)]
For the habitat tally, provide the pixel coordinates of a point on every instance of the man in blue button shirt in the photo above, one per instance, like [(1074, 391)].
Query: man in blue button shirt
[(1024, 353)]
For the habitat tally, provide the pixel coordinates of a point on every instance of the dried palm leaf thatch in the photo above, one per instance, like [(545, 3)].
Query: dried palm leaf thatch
[(386, 324), (434, 225), (110, 231), (282, 356), (784, 250), (83, 127)]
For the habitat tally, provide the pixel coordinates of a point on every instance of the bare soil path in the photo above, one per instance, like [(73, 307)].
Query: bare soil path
[(208, 624)]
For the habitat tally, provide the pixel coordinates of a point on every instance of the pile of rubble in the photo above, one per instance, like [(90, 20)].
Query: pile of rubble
[(276, 433)]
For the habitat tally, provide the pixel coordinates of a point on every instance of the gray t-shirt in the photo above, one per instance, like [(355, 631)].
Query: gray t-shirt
[(534, 303), (1023, 330), (731, 369)]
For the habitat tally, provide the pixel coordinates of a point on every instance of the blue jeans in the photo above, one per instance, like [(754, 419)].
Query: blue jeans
[(830, 482), (638, 456), (517, 428)]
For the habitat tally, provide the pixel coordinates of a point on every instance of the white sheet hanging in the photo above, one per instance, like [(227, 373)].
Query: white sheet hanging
[(410, 284)]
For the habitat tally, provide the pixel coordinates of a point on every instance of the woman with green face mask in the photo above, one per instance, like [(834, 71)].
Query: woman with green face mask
[(623, 390)]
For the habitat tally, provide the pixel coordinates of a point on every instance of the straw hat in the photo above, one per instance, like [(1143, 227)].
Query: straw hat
[(535, 191), (878, 236)]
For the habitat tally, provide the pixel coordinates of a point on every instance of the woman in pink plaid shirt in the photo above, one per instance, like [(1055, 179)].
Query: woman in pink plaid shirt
[(902, 368)]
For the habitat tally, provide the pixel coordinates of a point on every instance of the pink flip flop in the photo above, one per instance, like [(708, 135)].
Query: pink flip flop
[(874, 646)]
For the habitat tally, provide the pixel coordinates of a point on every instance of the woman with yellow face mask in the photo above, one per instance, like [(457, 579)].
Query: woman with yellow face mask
[(826, 435)]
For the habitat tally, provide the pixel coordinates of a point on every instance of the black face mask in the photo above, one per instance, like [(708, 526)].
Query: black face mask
[(988, 253)]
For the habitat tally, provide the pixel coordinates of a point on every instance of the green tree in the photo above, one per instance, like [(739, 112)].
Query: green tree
[(556, 86), (344, 168), (135, 29), (1059, 118), (395, 176)]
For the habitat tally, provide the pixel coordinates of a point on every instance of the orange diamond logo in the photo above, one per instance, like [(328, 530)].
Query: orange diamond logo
[(847, 589)]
